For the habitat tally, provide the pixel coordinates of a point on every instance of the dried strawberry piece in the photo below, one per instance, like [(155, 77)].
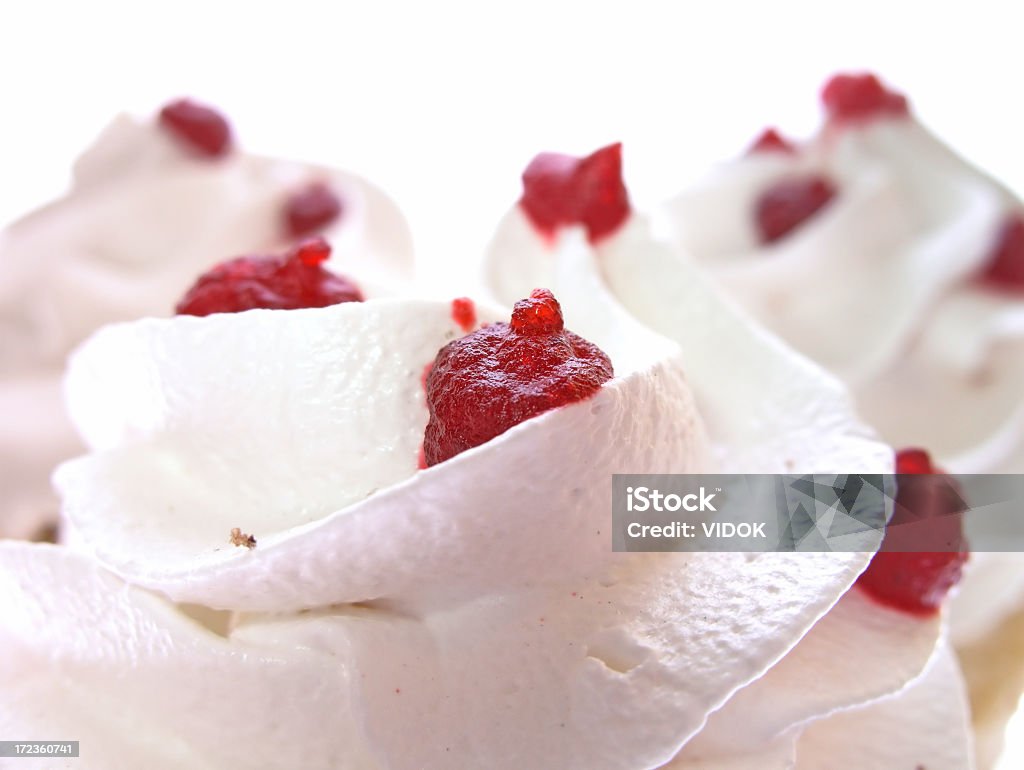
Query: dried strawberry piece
[(295, 280), (204, 130), (789, 203), (311, 209), (562, 190), (464, 313), (484, 383), (861, 97), (924, 549), (770, 140), (1004, 268)]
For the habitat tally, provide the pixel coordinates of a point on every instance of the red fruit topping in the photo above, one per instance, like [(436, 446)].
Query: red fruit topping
[(539, 314), (464, 313), (560, 190), (202, 128), (1005, 267), (498, 376), (311, 209), (771, 140), (860, 97), (788, 203), (288, 282), (911, 461), (924, 550)]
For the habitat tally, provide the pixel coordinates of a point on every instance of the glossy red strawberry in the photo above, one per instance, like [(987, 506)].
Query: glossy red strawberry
[(924, 550), (295, 280), (484, 383), (464, 313), (561, 190)]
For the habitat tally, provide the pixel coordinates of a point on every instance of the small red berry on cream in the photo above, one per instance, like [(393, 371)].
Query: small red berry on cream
[(924, 550), (562, 190), (789, 203), (311, 209), (861, 97), (770, 140), (464, 313), (200, 128), (1004, 268), (295, 280), (486, 382)]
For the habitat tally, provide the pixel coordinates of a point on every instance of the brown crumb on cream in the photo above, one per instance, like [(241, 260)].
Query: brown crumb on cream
[(240, 538), (45, 534)]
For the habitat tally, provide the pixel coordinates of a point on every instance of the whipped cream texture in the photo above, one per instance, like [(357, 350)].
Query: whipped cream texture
[(881, 284), (467, 615), (827, 673), (143, 219), (885, 286)]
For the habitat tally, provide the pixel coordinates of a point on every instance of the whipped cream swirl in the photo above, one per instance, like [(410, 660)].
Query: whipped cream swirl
[(143, 219), (468, 615), (654, 288), (880, 285)]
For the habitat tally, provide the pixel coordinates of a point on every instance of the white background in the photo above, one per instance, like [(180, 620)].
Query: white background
[(443, 103)]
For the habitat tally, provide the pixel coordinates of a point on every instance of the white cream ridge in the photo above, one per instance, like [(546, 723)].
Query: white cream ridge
[(468, 615), (667, 294), (877, 286), (142, 220)]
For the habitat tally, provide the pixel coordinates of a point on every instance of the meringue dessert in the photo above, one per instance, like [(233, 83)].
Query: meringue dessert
[(574, 226), (879, 252), (394, 550), (153, 203), (874, 206)]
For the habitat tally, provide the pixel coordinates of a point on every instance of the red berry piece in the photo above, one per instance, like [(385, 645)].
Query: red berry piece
[(861, 97), (1004, 268), (914, 461), (788, 204), (771, 140), (498, 376), (924, 549), (561, 190), (201, 128), (464, 313), (311, 209), (294, 280)]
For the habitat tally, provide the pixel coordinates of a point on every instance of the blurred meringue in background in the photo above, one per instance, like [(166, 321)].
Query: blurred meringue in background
[(879, 252), (148, 211)]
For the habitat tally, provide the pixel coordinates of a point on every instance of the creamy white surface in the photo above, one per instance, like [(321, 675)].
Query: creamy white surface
[(495, 607), (143, 219), (900, 731), (860, 650), (877, 286)]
